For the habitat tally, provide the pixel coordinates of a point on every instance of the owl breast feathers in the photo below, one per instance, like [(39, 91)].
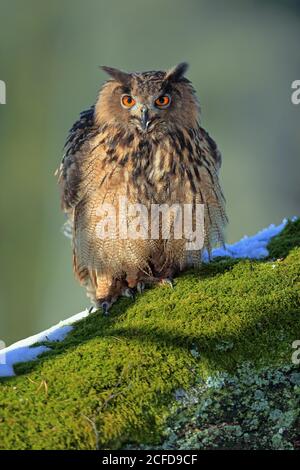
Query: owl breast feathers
[(133, 163)]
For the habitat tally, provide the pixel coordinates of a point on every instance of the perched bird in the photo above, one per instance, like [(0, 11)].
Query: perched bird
[(141, 141)]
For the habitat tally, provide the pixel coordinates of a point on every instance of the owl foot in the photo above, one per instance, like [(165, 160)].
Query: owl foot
[(167, 281), (105, 307), (140, 287), (128, 292), (105, 304), (132, 291)]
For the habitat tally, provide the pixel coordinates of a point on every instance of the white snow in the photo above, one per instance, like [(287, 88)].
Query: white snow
[(254, 247), (22, 351)]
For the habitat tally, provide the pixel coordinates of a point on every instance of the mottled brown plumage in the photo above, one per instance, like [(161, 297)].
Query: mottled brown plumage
[(142, 140)]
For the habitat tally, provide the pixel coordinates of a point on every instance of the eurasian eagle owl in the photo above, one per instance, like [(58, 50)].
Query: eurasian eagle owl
[(140, 143)]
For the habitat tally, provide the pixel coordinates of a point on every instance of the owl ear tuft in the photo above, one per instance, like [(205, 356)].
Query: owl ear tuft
[(122, 77), (177, 72)]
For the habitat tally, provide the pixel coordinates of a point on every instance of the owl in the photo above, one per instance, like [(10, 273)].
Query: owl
[(140, 145)]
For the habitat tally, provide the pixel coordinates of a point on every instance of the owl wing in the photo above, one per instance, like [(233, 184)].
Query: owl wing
[(208, 186), (69, 174), (210, 148)]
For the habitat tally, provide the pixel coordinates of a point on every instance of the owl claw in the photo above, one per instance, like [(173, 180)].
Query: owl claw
[(128, 292), (167, 281), (105, 307), (140, 287)]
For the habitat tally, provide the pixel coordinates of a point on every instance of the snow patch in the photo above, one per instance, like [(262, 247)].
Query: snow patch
[(23, 350), (254, 247)]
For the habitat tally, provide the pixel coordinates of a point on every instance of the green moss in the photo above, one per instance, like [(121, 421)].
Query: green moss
[(111, 381)]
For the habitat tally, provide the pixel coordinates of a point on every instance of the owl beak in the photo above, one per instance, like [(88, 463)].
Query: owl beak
[(144, 118)]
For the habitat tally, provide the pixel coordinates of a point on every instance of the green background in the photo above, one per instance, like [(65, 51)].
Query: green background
[(243, 57)]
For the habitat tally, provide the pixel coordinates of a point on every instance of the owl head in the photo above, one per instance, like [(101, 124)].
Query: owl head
[(148, 101)]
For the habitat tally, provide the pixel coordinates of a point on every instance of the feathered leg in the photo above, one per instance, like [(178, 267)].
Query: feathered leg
[(134, 284), (106, 291)]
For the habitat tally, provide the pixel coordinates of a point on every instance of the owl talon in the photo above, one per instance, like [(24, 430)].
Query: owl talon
[(167, 281), (128, 292), (105, 307), (140, 287)]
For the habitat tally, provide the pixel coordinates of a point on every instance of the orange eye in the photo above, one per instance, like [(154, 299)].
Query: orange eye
[(163, 101), (127, 101)]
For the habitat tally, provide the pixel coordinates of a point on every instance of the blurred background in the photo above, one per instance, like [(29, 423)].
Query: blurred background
[(243, 58)]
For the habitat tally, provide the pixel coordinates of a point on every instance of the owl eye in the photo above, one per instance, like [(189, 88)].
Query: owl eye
[(163, 101), (127, 101)]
